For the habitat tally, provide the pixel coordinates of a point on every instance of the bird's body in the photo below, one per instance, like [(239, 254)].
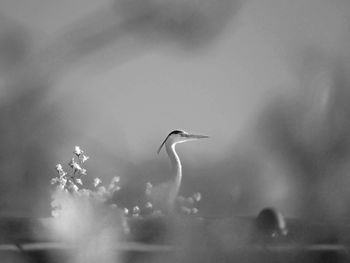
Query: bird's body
[(166, 193)]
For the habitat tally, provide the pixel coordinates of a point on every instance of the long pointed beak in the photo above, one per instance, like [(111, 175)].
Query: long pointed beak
[(195, 136)]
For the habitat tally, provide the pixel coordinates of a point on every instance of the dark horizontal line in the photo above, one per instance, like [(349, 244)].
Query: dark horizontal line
[(126, 246), (140, 247)]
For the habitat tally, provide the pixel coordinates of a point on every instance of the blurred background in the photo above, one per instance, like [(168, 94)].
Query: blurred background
[(267, 80)]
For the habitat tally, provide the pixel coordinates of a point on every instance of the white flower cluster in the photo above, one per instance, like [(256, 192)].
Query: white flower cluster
[(69, 185), (187, 205)]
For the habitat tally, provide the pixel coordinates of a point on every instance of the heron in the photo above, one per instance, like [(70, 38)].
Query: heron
[(172, 187)]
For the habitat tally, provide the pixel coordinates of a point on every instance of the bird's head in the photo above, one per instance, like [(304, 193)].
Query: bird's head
[(179, 136)]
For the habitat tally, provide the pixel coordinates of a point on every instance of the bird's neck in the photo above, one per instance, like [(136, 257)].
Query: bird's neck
[(176, 173)]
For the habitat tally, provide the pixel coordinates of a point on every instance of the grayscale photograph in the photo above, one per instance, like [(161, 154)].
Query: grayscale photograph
[(174, 131)]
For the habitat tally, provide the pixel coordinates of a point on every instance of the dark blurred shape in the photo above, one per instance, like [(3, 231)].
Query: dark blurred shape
[(130, 28), (191, 23), (270, 223)]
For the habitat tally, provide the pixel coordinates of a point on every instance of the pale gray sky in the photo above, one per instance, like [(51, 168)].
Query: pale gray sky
[(218, 90)]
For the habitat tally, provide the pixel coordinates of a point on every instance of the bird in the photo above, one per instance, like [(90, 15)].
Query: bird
[(166, 193)]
